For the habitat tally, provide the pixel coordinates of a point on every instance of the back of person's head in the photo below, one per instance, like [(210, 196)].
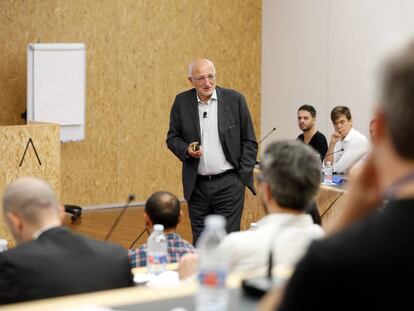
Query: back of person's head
[(32, 199), (339, 111), (309, 109), (163, 208), (292, 170), (397, 99)]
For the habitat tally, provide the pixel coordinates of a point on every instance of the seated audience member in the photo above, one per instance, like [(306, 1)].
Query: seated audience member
[(50, 260), (367, 262), (290, 180), (311, 136), (162, 208), (354, 144)]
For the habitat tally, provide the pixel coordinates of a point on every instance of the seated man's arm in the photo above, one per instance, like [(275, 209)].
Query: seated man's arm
[(352, 153)]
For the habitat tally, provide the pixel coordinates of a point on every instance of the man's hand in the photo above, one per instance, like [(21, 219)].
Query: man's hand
[(188, 266), (335, 137), (193, 151)]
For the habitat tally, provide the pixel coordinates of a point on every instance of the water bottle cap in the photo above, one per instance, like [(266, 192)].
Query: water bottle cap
[(158, 227), (215, 221)]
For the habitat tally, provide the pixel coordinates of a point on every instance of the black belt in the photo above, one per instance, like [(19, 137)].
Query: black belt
[(210, 177)]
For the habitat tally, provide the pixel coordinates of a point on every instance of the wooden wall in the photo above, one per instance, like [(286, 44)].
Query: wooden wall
[(137, 58)]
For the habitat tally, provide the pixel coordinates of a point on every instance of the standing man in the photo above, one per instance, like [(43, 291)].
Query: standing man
[(311, 136), (347, 145), (212, 133)]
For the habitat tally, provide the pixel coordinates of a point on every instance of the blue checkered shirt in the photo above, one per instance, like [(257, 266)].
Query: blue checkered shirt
[(177, 247)]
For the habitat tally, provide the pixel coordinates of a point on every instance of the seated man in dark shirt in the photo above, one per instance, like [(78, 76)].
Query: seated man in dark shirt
[(311, 136), (50, 260)]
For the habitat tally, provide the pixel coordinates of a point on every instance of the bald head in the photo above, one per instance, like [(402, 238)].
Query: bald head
[(163, 208), (197, 63), (32, 199)]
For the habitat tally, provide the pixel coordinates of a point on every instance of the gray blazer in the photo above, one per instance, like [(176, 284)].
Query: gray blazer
[(236, 133)]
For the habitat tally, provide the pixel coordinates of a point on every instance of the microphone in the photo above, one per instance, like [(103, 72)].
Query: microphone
[(131, 197), (270, 132), (329, 154), (204, 114), (140, 235)]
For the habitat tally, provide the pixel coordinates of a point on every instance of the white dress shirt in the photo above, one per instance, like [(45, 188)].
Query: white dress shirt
[(289, 235), (355, 146), (213, 160)]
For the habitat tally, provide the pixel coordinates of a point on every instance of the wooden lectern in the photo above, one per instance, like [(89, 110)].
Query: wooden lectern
[(29, 150)]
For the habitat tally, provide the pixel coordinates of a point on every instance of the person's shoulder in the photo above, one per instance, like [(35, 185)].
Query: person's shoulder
[(358, 135), (317, 231), (187, 244), (186, 94), (229, 93), (236, 239), (345, 246), (22, 250), (101, 246), (320, 135)]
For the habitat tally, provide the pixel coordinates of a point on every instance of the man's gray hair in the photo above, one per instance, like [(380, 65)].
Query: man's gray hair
[(293, 172), (198, 60), (30, 197), (397, 99)]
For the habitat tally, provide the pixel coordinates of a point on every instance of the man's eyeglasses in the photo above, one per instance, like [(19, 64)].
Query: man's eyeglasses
[(210, 78)]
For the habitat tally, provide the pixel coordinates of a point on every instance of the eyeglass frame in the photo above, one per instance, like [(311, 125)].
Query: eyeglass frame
[(211, 78)]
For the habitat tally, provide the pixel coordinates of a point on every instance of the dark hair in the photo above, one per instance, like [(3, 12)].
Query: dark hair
[(309, 109), (163, 208), (398, 99), (339, 111), (292, 170)]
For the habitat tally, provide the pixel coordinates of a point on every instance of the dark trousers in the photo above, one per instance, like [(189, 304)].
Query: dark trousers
[(222, 196)]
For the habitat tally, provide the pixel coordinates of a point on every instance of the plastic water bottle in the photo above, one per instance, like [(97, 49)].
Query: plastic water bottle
[(327, 178), (213, 268), (3, 245), (253, 226), (157, 251)]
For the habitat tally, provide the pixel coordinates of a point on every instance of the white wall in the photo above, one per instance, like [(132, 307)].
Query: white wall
[(325, 53)]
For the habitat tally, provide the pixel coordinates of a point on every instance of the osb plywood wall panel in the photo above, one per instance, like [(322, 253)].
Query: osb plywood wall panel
[(29, 150), (137, 58)]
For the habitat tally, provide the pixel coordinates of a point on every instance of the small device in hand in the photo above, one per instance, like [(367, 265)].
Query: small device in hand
[(195, 146)]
